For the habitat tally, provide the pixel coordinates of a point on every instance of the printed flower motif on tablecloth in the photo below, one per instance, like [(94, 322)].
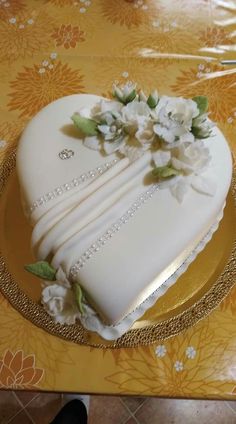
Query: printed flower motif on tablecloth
[(68, 36), (77, 14), (10, 131), (61, 3), (9, 134), (229, 303), (190, 352), (191, 366), (81, 5), (213, 81), (22, 36), (163, 36), (18, 371), (52, 352), (179, 366), (216, 37), (10, 7), (3, 144), (129, 13), (160, 351), (39, 85)]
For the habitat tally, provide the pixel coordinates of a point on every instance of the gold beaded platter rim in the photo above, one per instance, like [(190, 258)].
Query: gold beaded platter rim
[(134, 337)]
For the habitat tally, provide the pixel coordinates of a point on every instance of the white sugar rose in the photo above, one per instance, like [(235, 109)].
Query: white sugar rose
[(191, 158), (59, 302), (176, 111), (174, 117)]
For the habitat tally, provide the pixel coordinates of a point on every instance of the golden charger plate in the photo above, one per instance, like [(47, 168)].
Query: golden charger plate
[(196, 293)]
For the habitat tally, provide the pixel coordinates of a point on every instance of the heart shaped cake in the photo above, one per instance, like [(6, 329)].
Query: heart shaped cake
[(121, 200)]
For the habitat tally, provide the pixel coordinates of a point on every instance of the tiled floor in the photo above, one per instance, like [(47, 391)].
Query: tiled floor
[(40, 408)]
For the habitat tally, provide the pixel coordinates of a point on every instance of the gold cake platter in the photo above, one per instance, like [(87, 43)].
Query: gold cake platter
[(196, 293)]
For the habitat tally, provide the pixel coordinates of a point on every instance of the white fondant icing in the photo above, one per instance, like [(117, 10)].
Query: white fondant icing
[(91, 320), (123, 272)]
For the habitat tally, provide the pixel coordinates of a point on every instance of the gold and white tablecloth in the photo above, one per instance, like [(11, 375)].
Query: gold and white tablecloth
[(53, 48)]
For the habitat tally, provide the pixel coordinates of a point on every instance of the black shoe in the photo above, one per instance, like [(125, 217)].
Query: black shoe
[(74, 412)]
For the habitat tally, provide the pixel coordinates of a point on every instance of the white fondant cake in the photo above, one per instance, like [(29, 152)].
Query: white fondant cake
[(102, 221)]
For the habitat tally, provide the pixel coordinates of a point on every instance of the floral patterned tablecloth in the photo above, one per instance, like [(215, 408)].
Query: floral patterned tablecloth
[(52, 48)]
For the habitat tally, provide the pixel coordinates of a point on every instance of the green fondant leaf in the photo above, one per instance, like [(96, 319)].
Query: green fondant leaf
[(42, 269), (164, 172), (151, 101), (202, 103), (79, 297), (86, 125)]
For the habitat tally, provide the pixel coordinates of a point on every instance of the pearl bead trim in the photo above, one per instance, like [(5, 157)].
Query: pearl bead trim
[(95, 247), (58, 191)]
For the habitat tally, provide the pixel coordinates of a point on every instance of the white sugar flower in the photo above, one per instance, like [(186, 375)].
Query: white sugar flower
[(145, 134), (160, 351), (61, 280), (92, 142), (181, 184), (179, 366), (134, 115), (174, 117), (142, 96), (125, 93), (41, 70), (203, 184), (177, 111), (104, 107), (191, 158), (131, 151), (190, 352), (114, 145), (114, 136), (164, 133), (161, 158), (113, 133), (179, 188), (202, 126), (59, 302)]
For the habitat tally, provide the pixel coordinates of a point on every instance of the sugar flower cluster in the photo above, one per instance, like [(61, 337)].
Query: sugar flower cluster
[(172, 128)]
